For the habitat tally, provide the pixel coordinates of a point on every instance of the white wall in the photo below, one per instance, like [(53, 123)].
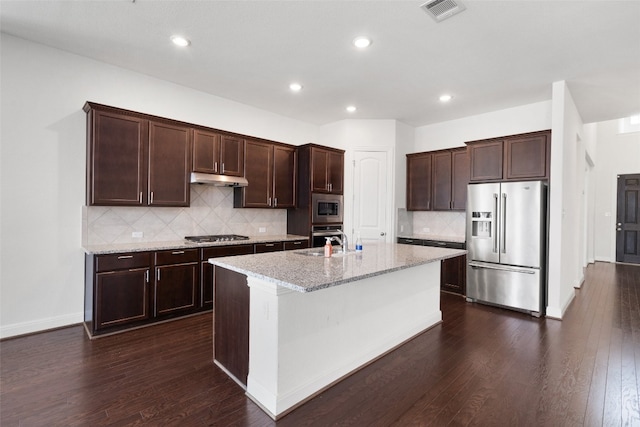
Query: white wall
[(616, 154), (511, 121), (565, 210), (43, 167)]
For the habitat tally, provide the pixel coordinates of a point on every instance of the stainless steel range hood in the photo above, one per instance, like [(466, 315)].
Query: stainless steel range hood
[(218, 180)]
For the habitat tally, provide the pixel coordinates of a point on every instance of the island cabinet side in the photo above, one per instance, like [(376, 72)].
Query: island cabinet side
[(231, 323)]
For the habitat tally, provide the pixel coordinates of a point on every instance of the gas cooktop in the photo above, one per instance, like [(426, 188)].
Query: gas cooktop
[(216, 238)]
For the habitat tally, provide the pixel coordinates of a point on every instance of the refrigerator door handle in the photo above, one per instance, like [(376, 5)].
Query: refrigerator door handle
[(503, 221), (502, 268), (495, 231)]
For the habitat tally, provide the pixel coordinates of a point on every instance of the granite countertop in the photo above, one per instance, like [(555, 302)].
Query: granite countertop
[(184, 244), (456, 239), (303, 273)]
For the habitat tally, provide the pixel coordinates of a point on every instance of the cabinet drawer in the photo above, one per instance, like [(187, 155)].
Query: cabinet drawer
[(408, 241), (269, 247), (122, 261), (220, 251), (442, 244), (298, 244), (176, 256)]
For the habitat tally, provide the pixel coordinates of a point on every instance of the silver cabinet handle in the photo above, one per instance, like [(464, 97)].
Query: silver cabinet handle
[(158, 274), (215, 167), (269, 245), (141, 197), (297, 243), (146, 276), (275, 202), (151, 198), (125, 257), (268, 201), (177, 252), (222, 168)]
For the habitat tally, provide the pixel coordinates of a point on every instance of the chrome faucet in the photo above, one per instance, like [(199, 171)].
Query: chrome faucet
[(344, 242)]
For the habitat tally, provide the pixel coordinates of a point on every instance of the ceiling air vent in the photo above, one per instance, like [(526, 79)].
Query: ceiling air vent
[(440, 10)]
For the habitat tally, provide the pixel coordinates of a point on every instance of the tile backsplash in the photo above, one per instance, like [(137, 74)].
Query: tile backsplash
[(211, 212), (432, 223)]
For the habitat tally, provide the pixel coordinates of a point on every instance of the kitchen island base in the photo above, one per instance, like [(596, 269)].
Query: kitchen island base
[(301, 343)]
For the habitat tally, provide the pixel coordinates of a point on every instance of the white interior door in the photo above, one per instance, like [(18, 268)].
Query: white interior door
[(370, 195)]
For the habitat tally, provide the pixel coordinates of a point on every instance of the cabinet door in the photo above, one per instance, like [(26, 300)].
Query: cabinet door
[(169, 164), (441, 197), (453, 275), (486, 161), (206, 151), (116, 159), (259, 173), (460, 179), (176, 289), (526, 157), (319, 165), (121, 297), (419, 182), (206, 288), (284, 176), (231, 155), (335, 172)]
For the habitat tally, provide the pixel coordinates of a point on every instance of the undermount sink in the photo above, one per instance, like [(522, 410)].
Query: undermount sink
[(319, 252)]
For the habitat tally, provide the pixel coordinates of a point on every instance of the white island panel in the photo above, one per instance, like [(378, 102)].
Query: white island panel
[(301, 343)]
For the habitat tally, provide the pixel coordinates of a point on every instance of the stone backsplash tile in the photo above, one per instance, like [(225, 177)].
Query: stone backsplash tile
[(211, 212), (440, 223)]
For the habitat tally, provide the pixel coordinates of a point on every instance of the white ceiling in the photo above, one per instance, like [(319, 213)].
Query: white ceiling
[(494, 55)]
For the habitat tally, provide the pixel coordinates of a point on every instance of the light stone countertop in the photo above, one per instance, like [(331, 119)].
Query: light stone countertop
[(303, 273), (183, 244)]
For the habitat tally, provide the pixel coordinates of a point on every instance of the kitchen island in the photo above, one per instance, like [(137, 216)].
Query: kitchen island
[(288, 325)]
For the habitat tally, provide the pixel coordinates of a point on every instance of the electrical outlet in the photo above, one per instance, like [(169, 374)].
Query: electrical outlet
[(137, 234), (262, 230), (426, 229)]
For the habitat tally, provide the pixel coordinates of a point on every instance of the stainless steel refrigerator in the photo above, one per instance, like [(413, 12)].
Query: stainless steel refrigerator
[(506, 244)]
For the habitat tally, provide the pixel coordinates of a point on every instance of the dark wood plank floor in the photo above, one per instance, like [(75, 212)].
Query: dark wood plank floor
[(483, 366)]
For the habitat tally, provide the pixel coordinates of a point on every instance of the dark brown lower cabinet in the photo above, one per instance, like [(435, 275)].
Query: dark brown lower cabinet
[(176, 282), (127, 290), (122, 297), (453, 275), (231, 323), (176, 289)]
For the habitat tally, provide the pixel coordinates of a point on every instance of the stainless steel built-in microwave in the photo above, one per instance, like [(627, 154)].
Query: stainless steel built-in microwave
[(326, 208)]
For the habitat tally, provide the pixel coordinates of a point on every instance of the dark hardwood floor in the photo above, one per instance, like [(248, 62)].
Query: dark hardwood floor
[(483, 366)]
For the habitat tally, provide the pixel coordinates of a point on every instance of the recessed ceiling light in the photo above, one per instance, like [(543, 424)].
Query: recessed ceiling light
[(295, 87), (446, 98), (180, 41), (362, 42), (351, 109)]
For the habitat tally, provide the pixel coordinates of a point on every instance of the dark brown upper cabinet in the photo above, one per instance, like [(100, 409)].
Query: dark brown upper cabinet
[(169, 164), (116, 152), (217, 153), (517, 157), (441, 163), (271, 172), (134, 161), (419, 181), (460, 178), (437, 180), (327, 170)]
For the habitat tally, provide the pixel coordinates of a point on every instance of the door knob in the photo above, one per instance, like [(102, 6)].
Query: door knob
[(382, 233)]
